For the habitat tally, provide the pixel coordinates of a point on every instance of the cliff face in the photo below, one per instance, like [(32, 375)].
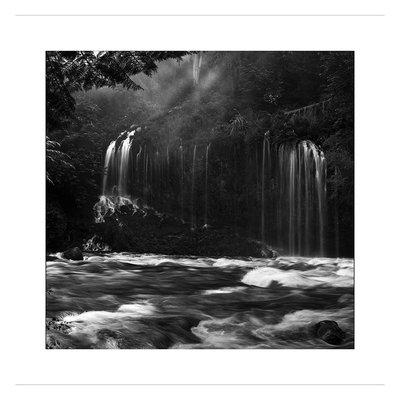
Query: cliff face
[(128, 227)]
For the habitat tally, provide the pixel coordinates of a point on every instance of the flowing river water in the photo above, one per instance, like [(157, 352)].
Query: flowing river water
[(125, 300)]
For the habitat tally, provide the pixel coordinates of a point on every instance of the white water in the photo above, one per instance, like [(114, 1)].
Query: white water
[(197, 59), (124, 155), (302, 199), (124, 300), (108, 163), (318, 272)]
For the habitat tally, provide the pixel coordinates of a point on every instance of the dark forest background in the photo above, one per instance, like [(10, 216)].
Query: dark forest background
[(92, 97)]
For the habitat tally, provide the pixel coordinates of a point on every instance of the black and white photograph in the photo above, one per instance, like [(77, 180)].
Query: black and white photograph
[(199, 199)]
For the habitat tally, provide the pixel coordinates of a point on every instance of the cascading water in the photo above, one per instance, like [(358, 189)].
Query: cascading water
[(137, 163), (292, 176), (265, 159), (182, 177), (273, 192), (123, 156), (197, 59), (306, 200), (116, 175), (320, 172), (305, 203), (167, 167), (336, 214), (206, 190), (108, 164), (145, 164), (193, 217)]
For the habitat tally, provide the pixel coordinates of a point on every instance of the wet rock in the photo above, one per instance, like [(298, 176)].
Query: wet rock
[(73, 254), (51, 258), (96, 245), (329, 331), (57, 325), (145, 230), (57, 334)]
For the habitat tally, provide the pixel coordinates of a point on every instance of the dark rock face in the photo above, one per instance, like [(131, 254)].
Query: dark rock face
[(144, 230), (73, 254), (329, 331), (51, 258)]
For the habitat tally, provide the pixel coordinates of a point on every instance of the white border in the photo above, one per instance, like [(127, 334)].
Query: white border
[(205, 7), (376, 202)]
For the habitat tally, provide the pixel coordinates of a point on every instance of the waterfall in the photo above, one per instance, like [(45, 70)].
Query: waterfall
[(320, 174), (116, 168), (139, 153), (300, 205), (156, 173), (145, 164), (263, 189), (306, 199), (302, 170), (292, 188), (197, 59), (181, 179), (108, 164), (336, 213), (193, 217), (123, 156), (273, 191), (206, 190), (167, 168)]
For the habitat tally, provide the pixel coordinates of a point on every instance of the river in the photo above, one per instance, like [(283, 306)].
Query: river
[(125, 300)]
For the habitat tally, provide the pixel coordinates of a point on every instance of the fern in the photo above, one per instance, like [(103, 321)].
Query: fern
[(56, 161)]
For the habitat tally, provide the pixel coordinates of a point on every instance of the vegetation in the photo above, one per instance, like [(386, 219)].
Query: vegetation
[(74, 141), (91, 97)]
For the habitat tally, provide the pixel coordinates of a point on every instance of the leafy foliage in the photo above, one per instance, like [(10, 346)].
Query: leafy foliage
[(76, 135), (71, 71), (93, 96), (57, 161)]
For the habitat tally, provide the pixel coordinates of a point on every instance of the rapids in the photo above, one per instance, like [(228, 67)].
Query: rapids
[(124, 300)]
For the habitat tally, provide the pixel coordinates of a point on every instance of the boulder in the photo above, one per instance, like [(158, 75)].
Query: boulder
[(51, 258), (329, 331), (74, 253)]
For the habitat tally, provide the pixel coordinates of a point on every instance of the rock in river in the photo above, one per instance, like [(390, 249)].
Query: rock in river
[(73, 254), (329, 332)]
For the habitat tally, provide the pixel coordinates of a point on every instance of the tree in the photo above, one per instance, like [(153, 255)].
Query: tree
[(72, 154), (71, 71)]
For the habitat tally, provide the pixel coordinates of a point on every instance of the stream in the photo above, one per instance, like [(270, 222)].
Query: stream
[(141, 301)]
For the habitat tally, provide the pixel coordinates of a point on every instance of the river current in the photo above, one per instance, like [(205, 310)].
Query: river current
[(125, 300)]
